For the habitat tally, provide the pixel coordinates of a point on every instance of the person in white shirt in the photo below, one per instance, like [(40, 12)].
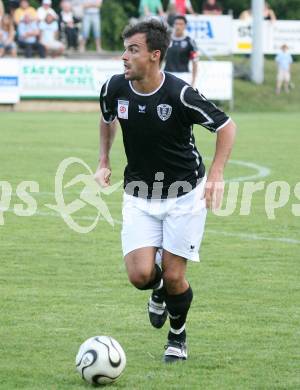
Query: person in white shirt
[(284, 61), (68, 24), (49, 35), (46, 9), (91, 20)]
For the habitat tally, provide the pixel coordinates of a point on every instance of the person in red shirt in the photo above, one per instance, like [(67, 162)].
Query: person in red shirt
[(182, 7), (211, 7)]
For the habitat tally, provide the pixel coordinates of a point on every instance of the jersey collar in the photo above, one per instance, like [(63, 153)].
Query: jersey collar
[(151, 93), (174, 38)]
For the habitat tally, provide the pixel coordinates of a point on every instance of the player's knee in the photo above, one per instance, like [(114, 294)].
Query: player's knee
[(139, 279), (172, 279)]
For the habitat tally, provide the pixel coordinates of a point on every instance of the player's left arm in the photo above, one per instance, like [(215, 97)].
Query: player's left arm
[(194, 72), (215, 180), (194, 56), (197, 109)]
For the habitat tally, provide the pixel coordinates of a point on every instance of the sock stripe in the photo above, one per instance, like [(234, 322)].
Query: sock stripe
[(178, 331)]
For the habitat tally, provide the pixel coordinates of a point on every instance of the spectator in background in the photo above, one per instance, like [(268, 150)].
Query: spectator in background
[(7, 36), (246, 15), (77, 9), (1, 10), (149, 8), (211, 7), (68, 24), (91, 20), (49, 36), (28, 37), (284, 61), (12, 6), (24, 9), (182, 7), (269, 14), (46, 9), (182, 50)]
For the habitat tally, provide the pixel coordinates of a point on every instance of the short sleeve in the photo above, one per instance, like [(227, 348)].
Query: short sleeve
[(106, 103), (199, 110), (193, 50)]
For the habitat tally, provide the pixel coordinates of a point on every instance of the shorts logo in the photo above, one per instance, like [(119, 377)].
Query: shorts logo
[(123, 106), (192, 248), (164, 111)]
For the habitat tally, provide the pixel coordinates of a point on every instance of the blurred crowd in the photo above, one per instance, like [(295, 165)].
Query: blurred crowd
[(45, 32)]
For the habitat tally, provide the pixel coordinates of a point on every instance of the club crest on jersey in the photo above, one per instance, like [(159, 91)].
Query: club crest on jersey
[(164, 111), (183, 44), (123, 106)]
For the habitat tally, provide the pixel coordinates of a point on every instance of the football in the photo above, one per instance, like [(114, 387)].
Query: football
[(100, 360)]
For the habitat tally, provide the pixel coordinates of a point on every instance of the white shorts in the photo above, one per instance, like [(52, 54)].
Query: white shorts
[(53, 45), (283, 76), (176, 224)]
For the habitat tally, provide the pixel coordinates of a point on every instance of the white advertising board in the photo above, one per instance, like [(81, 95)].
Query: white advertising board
[(65, 78), (81, 79), (275, 34), (213, 34), (214, 81), (9, 81)]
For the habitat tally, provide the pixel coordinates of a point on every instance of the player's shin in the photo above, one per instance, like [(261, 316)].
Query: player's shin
[(178, 307)]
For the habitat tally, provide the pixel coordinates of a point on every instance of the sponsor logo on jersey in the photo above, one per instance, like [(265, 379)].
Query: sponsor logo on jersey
[(142, 109), (164, 111), (123, 106)]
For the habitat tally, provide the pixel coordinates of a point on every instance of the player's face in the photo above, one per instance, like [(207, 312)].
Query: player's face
[(179, 27), (137, 58)]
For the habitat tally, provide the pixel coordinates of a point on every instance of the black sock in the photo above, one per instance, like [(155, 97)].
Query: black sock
[(178, 307), (158, 295), (155, 282), (177, 337)]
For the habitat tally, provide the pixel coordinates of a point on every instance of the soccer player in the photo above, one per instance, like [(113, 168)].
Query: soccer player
[(183, 49), (166, 195)]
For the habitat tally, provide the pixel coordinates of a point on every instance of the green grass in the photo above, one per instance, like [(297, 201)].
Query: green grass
[(58, 287), (249, 97)]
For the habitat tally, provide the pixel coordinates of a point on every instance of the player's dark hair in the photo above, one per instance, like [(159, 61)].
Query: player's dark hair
[(158, 35), (180, 17)]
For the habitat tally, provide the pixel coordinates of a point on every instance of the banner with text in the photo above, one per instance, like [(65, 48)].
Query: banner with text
[(275, 34), (213, 34), (79, 79)]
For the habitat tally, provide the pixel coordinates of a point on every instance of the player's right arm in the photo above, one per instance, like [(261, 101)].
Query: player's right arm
[(108, 129), (107, 135)]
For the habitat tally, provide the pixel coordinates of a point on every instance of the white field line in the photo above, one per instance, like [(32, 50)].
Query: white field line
[(261, 173), (242, 236)]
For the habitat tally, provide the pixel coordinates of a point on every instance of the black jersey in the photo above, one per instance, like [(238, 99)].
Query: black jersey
[(157, 131), (179, 54)]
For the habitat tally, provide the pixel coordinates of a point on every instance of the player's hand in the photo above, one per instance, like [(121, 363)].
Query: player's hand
[(102, 176), (214, 190)]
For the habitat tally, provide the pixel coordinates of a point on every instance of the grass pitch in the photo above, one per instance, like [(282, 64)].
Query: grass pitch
[(59, 287)]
